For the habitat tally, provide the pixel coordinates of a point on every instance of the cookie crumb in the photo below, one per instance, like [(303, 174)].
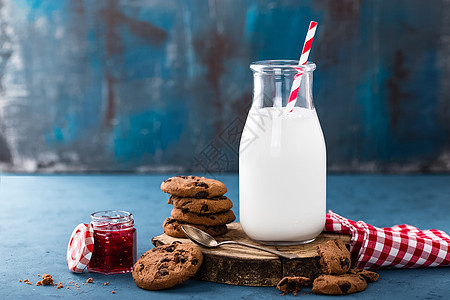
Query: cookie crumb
[(60, 286), (20, 280), (29, 283), (39, 283), (38, 275), (293, 284), (25, 280), (106, 283), (47, 279), (90, 280), (113, 292)]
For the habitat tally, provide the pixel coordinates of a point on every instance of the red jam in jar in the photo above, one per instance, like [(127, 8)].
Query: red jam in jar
[(114, 242)]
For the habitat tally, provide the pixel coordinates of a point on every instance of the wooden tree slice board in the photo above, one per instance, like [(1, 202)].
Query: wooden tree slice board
[(238, 265)]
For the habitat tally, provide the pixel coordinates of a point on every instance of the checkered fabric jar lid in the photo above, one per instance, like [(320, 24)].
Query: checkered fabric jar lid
[(79, 250)]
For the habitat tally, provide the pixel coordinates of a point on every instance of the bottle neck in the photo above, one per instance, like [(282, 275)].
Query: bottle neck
[(276, 81)]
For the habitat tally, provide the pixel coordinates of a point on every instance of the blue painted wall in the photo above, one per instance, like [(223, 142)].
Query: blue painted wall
[(164, 85)]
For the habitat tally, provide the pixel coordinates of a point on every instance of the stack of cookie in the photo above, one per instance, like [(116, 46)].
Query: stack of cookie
[(199, 202)]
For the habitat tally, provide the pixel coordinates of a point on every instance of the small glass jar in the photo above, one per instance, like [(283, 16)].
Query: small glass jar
[(114, 242)]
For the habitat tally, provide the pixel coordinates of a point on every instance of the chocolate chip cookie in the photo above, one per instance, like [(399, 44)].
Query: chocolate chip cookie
[(166, 266), (339, 285), (292, 284), (193, 187), (172, 227), (201, 206), (369, 276), (334, 257), (203, 219)]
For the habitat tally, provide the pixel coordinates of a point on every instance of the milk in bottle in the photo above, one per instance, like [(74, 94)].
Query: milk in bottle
[(282, 159)]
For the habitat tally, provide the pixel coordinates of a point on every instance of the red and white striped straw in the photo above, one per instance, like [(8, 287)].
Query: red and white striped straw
[(303, 59)]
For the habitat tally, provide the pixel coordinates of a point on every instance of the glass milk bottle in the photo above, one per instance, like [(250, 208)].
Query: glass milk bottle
[(282, 158)]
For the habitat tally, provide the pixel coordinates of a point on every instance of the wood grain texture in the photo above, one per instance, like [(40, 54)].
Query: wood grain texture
[(238, 265)]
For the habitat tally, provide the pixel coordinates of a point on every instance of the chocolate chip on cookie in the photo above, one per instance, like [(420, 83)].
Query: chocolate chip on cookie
[(334, 257), (203, 219), (172, 227), (292, 284), (369, 276), (202, 206), (339, 285), (193, 187), (166, 266)]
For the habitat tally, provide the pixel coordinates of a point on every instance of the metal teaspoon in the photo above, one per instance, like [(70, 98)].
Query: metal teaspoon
[(202, 238)]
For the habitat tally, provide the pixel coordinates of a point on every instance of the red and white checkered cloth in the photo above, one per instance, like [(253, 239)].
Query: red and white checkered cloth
[(401, 246)]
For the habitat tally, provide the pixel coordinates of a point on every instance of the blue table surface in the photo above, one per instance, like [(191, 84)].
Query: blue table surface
[(38, 214)]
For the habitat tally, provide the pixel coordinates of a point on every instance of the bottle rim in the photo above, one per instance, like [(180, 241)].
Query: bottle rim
[(112, 216), (282, 66)]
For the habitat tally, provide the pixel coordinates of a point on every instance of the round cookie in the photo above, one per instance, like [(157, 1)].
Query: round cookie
[(203, 219), (202, 206), (193, 187), (166, 266), (334, 257), (339, 285), (172, 227), (369, 276)]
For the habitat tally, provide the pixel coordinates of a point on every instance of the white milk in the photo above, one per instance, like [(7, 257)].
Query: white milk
[(282, 192)]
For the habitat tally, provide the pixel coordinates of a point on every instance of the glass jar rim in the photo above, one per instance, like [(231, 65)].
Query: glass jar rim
[(116, 216), (283, 65)]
